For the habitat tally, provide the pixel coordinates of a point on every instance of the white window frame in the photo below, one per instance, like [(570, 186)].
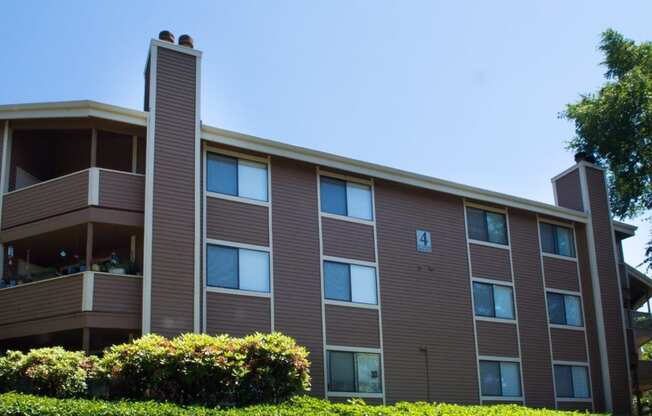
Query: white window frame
[(494, 282), (243, 156), (588, 377), (243, 292), (520, 376), (353, 179), (339, 348), (350, 262)]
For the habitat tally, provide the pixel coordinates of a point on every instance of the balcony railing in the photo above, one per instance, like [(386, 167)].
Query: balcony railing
[(90, 187), (640, 320)]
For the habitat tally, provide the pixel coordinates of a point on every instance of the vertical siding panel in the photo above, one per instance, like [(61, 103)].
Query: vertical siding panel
[(533, 320), (426, 297), (297, 280), (569, 191)]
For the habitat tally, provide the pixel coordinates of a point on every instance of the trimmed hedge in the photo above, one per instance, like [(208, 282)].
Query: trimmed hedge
[(189, 369), (13, 404)]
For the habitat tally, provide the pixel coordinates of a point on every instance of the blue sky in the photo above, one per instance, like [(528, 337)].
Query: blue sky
[(465, 91)]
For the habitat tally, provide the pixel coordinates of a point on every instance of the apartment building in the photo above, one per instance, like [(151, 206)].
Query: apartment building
[(117, 222)]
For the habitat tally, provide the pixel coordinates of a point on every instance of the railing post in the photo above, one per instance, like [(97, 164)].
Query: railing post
[(93, 186), (88, 289)]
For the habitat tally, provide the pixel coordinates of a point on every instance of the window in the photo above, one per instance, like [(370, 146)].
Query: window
[(487, 226), (500, 378), (345, 198), (572, 381), (350, 282), (238, 177), (564, 309), (556, 239), (354, 372), (494, 301), (237, 268)]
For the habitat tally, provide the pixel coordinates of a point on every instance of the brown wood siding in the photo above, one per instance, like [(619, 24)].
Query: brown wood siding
[(297, 280), (236, 221), (497, 339), (120, 294), (590, 317), (425, 297), (610, 291), (45, 200), (122, 191), (560, 274), (352, 327), (569, 191), (532, 317), (41, 300), (348, 239), (173, 227), (237, 315), (490, 262), (570, 406), (568, 345)]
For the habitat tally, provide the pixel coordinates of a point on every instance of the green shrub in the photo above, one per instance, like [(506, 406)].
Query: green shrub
[(12, 404), (47, 371)]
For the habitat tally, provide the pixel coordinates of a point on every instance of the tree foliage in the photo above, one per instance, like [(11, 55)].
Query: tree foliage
[(615, 124)]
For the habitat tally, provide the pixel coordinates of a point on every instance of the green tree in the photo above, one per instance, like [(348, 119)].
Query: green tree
[(615, 125)]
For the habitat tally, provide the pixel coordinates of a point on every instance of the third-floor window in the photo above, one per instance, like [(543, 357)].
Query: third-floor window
[(556, 239), (493, 301), (350, 283), (349, 199), (487, 226), (564, 309), (236, 177)]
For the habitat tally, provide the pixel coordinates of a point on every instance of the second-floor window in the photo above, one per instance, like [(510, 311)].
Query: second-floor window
[(350, 283), (556, 239), (564, 309), (237, 268), (493, 301), (572, 381), (500, 378), (349, 199), (487, 226), (354, 372), (236, 177)]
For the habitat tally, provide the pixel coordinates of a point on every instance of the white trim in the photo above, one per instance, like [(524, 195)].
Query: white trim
[(624, 228), (321, 285), (351, 304), (88, 290), (73, 109), (346, 218), (556, 222), (565, 292), (42, 281), (239, 292), (345, 348), (214, 242), (112, 275), (569, 327), (489, 244), (566, 172), (574, 399), (150, 144), (359, 395), (499, 358), (351, 261), (266, 146), (93, 186), (597, 294), (4, 176), (122, 172), (573, 363), (558, 256), (239, 155), (204, 277), (508, 283), (486, 208), (235, 198), (496, 320), (134, 154), (178, 48), (198, 195), (502, 398), (272, 302), (347, 178), (380, 312), (45, 182)]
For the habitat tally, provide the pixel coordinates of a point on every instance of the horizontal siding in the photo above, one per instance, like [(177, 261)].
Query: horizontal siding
[(41, 300), (569, 191), (490, 262), (497, 339), (236, 315), (120, 294), (348, 239), (122, 191), (570, 406), (568, 345), (237, 221), (46, 200), (352, 327), (561, 274)]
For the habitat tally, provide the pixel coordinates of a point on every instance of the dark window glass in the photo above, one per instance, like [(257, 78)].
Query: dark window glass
[(222, 174), (547, 238), (565, 246), (222, 266), (477, 224), (490, 378), (556, 308), (337, 281), (483, 295), (496, 228), (341, 374), (333, 195), (564, 381)]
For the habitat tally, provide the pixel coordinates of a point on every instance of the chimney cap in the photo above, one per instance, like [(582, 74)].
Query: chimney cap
[(166, 35), (186, 40), (583, 156)]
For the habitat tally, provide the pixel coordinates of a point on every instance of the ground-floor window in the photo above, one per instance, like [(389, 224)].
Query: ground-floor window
[(354, 372), (500, 378), (572, 381)]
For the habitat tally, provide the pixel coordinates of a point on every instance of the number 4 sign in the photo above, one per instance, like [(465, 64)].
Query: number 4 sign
[(424, 242)]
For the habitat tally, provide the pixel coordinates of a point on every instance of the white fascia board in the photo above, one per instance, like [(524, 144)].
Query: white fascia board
[(73, 109)]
